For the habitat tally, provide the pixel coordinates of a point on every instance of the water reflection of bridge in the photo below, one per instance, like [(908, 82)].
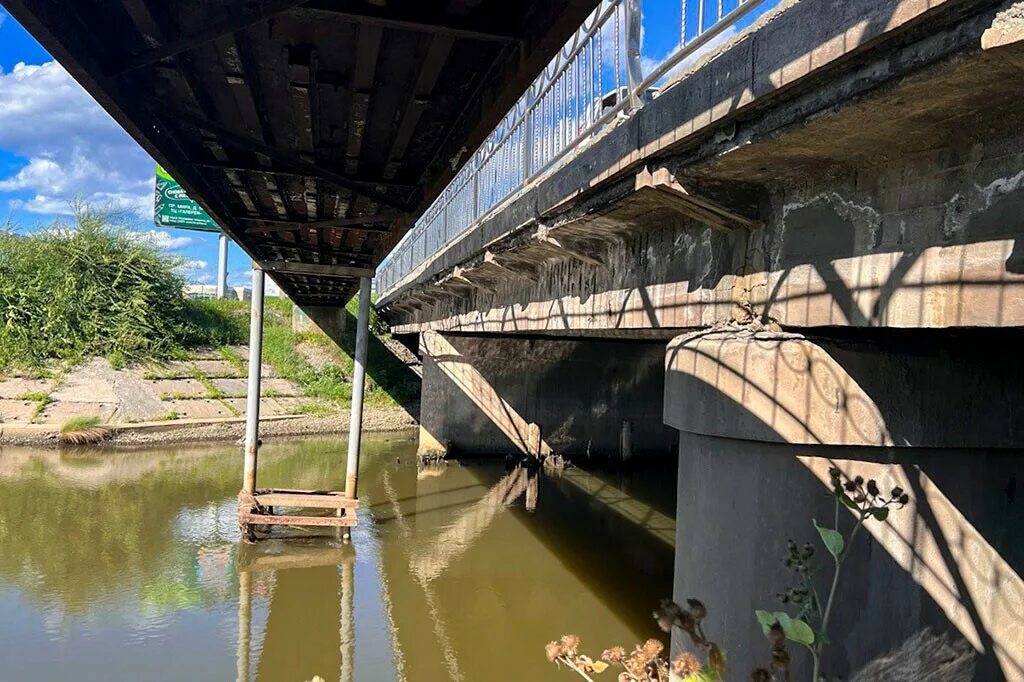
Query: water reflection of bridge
[(425, 535), (447, 563)]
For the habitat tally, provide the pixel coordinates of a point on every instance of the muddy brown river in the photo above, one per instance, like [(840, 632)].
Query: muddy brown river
[(129, 566)]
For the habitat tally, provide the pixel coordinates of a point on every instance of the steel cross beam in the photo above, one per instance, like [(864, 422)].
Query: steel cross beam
[(371, 223), (315, 269), (314, 250), (212, 32), (239, 167), (422, 24), (284, 158)]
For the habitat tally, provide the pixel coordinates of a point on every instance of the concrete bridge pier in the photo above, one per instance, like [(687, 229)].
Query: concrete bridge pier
[(763, 416), (542, 394)]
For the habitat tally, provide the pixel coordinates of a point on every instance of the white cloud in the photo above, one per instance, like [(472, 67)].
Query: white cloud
[(244, 279), (74, 149), (193, 265), (196, 271), (166, 241)]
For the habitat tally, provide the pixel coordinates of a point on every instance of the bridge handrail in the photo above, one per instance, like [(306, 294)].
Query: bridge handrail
[(594, 78)]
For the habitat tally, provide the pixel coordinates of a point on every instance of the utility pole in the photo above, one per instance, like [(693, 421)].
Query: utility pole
[(222, 267)]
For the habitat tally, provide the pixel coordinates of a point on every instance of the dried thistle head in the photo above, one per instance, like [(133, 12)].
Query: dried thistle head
[(554, 651), (686, 665), (760, 675), (776, 635), (697, 608), (635, 665), (614, 655), (667, 614), (780, 659), (652, 648), (570, 644)]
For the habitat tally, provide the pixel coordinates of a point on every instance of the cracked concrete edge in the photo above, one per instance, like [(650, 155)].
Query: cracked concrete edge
[(1007, 27)]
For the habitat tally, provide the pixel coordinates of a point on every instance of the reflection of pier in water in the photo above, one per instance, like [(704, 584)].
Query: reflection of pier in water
[(428, 544), (297, 614)]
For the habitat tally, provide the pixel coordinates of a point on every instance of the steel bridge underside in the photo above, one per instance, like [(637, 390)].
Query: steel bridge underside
[(314, 133)]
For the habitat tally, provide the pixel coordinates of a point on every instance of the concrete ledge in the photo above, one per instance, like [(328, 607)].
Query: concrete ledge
[(924, 391)]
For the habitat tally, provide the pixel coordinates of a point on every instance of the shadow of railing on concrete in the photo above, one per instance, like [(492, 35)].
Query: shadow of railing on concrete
[(960, 564)]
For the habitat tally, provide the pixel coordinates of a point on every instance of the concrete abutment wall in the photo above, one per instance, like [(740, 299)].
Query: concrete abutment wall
[(487, 395)]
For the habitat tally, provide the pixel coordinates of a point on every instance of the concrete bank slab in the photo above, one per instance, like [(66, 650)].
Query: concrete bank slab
[(178, 387), (198, 409), (16, 411), (60, 412), (16, 386)]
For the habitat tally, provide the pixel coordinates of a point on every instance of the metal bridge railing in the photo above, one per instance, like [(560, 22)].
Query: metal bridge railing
[(597, 76)]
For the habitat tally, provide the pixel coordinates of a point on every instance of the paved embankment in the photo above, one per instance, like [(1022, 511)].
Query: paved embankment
[(196, 399)]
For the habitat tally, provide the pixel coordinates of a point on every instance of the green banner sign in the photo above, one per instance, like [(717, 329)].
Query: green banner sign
[(174, 208)]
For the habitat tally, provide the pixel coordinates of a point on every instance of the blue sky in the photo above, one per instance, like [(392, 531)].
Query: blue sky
[(57, 144)]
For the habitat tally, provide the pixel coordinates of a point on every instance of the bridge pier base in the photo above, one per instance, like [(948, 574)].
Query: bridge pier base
[(763, 417), (494, 395)]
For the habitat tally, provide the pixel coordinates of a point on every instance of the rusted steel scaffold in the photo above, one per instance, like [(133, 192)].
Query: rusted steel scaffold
[(258, 506)]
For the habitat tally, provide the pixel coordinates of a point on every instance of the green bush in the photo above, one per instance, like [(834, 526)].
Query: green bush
[(94, 289)]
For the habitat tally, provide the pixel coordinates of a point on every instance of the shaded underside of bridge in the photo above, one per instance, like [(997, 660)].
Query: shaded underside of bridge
[(314, 132)]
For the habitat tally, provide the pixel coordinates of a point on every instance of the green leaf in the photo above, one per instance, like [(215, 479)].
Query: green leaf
[(767, 619), (833, 539), (797, 630), (880, 513)]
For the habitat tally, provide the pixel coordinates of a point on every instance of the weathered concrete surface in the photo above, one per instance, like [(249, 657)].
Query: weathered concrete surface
[(13, 387), (16, 411), (890, 187), (487, 395), (951, 560), (916, 389), (763, 415), (328, 320), (136, 394)]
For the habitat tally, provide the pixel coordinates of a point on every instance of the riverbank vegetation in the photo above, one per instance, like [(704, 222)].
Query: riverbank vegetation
[(322, 366), (91, 287), (85, 430)]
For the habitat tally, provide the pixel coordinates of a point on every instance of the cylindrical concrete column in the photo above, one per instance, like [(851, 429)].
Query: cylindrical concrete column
[(222, 267), (252, 409), (358, 381)]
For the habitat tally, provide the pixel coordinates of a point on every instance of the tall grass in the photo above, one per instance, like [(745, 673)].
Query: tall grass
[(92, 288)]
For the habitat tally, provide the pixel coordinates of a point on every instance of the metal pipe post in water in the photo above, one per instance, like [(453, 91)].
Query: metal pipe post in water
[(243, 651), (252, 409), (355, 431), (222, 267)]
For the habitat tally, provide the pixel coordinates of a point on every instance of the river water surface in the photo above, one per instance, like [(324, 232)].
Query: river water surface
[(128, 566)]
